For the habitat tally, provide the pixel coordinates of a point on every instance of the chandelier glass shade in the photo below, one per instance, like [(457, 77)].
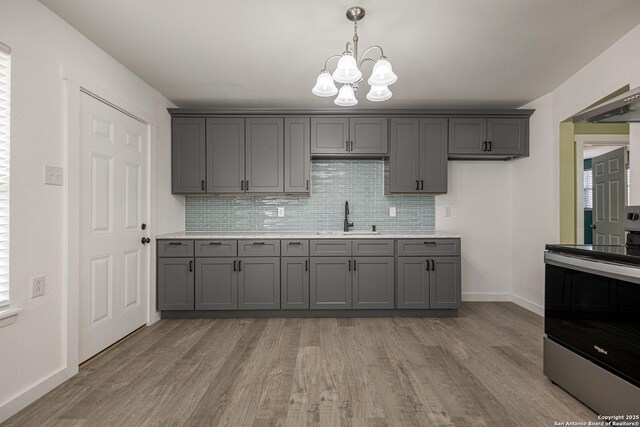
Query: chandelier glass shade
[(348, 71)]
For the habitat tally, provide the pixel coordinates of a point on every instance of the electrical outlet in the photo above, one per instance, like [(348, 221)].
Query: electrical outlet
[(447, 211), (53, 175), (280, 212), (392, 212), (38, 284)]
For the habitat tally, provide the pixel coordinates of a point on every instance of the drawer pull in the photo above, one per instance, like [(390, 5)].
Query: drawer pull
[(215, 243), (295, 243), (429, 243), (258, 243), (175, 243)]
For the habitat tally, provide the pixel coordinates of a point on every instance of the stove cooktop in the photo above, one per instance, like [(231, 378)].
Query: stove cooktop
[(615, 253)]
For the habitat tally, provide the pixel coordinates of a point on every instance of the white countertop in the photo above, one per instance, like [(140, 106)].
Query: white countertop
[(312, 235)]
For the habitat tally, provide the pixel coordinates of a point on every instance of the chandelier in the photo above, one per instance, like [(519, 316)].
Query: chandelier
[(348, 71)]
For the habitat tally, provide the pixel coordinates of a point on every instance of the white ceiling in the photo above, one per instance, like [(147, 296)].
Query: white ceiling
[(446, 53)]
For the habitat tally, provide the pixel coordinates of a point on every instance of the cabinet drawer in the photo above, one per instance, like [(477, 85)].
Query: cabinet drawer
[(330, 247), (428, 247), (175, 248), (258, 248), (372, 247), (295, 247), (216, 248)]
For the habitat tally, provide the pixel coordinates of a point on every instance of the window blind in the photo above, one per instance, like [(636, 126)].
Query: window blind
[(588, 189), (5, 71)]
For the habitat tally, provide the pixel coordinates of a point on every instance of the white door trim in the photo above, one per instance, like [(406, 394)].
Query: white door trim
[(581, 141), (74, 84)]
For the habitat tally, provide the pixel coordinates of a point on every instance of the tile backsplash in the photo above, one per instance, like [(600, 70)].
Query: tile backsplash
[(333, 182)]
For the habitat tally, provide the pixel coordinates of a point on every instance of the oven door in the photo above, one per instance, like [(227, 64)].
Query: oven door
[(593, 308)]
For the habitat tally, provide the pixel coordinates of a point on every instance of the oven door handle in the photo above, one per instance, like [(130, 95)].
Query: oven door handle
[(600, 268)]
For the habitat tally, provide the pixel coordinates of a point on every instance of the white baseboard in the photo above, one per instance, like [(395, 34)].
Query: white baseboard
[(24, 399), (486, 297), (529, 305)]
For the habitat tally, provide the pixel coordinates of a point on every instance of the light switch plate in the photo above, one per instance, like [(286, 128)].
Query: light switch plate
[(392, 212), (53, 175), (280, 212), (38, 284)]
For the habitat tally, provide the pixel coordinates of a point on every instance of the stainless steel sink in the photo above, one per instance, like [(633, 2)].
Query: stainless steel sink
[(347, 233)]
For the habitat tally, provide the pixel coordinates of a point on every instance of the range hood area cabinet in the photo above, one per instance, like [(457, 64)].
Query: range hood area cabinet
[(349, 136), (497, 138), (418, 156), (232, 155)]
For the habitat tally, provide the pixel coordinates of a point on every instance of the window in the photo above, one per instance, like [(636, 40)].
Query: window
[(588, 189), (5, 71)]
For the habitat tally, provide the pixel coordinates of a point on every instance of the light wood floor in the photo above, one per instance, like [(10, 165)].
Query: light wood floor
[(483, 368)]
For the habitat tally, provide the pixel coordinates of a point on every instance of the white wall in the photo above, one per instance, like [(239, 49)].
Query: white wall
[(535, 180), (32, 351), (480, 211)]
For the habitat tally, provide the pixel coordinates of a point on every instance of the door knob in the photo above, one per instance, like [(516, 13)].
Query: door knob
[(143, 226), (145, 240), (593, 226)]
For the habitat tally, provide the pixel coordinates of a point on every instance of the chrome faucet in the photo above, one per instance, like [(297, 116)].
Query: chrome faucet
[(347, 224)]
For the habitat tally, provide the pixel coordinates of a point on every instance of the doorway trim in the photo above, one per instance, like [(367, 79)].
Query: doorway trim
[(580, 141), (74, 84)]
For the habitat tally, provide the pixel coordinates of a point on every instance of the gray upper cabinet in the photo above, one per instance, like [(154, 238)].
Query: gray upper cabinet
[(368, 135), (216, 285), (330, 283), (418, 156), (339, 136), (175, 283), (225, 155), (264, 155), (413, 283), (297, 156), (188, 162), (507, 136), (488, 138), (329, 135), (259, 283), (373, 282), (294, 283), (444, 282)]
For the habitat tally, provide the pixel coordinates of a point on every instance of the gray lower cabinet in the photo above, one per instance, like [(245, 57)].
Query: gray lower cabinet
[(429, 282), (497, 137), (373, 282), (444, 282), (259, 283), (216, 284), (294, 283), (225, 155), (175, 283), (330, 283), (188, 162), (418, 156), (297, 156), (413, 283)]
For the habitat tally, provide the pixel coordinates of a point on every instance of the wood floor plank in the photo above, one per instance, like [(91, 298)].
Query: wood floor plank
[(483, 368)]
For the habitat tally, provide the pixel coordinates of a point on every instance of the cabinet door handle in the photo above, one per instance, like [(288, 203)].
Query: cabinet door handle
[(421, 184), (234, 265), (202, 185), (349, 265), (351, 146), (347, 144), (240, 265), (242, 185), (247, 185), (433, 265), (428, 265), (191, 265), (417, 184), (306, 265), (490, 145), (307, 185), (354, 265), (484, 145)]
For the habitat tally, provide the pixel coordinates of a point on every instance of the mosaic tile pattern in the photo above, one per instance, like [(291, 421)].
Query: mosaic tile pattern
[(361, 182)]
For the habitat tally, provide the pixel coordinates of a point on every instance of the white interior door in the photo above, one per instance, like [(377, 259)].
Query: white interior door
[(113, 207), (609, 193)]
